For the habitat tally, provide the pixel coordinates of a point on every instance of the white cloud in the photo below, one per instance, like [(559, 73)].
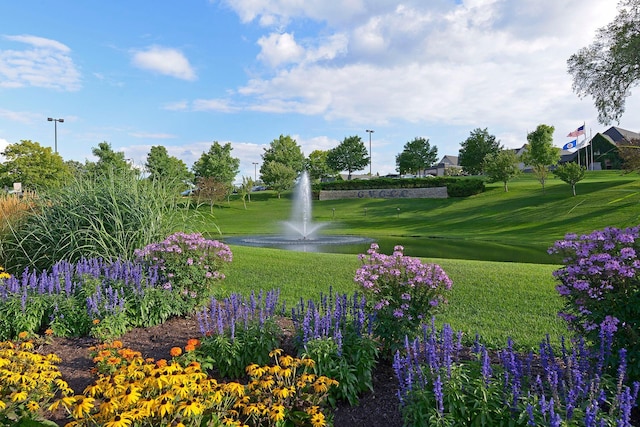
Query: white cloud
[(279, 48), (19, 116), (44, 63), (166, 61), (219, 105)]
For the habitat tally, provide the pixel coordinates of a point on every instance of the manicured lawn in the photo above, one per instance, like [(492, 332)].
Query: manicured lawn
[(495, 299)]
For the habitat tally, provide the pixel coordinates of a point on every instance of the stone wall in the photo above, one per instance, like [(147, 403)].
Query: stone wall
[(396, 193)]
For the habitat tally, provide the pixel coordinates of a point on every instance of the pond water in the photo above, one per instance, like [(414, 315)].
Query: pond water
[(426, 247)]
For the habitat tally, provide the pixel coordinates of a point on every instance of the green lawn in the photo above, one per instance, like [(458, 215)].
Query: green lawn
[(495, 299)]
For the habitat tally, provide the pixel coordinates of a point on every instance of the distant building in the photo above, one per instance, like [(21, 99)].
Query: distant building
[(605, 149), (447, 162)]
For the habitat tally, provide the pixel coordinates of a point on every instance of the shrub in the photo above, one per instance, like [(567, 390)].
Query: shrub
[(13, 210), (401, 292), (107, 216), (566, 388), (336, 333), (238, 331), (601, 288), (188, 264)]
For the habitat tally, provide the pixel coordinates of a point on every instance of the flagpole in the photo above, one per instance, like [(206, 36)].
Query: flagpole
[(591, 142)]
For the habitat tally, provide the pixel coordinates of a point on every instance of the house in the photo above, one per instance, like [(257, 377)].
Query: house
[(604, 149), (440, 169)]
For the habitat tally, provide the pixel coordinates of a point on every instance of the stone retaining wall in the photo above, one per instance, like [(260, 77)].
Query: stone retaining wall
[(396, 193)]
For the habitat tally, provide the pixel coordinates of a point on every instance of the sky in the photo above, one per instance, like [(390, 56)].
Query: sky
[(183, 74)]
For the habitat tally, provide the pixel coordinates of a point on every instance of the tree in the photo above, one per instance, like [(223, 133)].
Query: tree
[(109, 161), (610, 66), (286, 151), (501, 166), (475, 148), (33, 165), (350, 155), (217, 163), (163, 167), (571, 173), (630, 155), (245, 189), (541, 153), (317, 165), (278, 176), (417, 155)]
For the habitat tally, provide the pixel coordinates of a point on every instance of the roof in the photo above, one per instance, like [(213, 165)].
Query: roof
[(616, 134), (449, 160)]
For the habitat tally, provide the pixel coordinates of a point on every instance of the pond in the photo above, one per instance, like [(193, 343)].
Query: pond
[(428, 247)]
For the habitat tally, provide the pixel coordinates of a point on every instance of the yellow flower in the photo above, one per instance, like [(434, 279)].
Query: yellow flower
[(276, 352), (236, 388), (317, 420), (19, 396), (33, 406), (165, 407), (118, 421), (276, 413), (84, 405), (190, 408)]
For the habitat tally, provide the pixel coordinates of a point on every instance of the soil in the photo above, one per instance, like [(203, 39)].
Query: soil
[(379, 408)]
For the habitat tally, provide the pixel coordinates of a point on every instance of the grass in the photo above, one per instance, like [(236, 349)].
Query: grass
[(495, 299), (521, 224)]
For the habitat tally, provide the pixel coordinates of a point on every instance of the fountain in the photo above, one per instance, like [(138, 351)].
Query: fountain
[(300, 232)]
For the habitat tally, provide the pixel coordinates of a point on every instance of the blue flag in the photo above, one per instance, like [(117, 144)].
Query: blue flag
[(570, 145)]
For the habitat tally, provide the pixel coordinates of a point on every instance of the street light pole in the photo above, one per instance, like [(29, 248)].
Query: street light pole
[(255, 171), (55, 127), (369, 131)]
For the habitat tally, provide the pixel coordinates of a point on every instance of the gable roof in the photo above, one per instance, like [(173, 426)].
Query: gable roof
[(616, 134), (449, 160)]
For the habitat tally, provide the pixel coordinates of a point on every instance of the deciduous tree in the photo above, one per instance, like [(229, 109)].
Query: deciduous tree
[(540, 153), (630, 155), (475, 148), (571, 173), (350, 155), (217, 163), (278, 176), (608, 68), (33, 165), (109, 161), (284, 150), (501, 166), (416, 156), (161, 166), (317, 165)]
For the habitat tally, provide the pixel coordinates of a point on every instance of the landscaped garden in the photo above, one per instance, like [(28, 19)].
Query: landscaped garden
[(283, 338)]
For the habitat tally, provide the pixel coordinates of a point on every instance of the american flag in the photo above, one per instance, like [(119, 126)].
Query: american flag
[(577, 132)]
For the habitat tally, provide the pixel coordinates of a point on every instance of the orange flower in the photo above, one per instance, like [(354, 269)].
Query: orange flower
[(117, 344), (194, 342), (48, 332), (189, 348), (161, 363), (96, 321), (175, 351), (23, 335)]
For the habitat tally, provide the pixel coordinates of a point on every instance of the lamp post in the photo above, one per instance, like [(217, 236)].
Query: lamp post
[(369, 131), (255, 171), (55, 127)]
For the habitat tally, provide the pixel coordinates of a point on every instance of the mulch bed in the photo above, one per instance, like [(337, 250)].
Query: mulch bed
[(379, 408)]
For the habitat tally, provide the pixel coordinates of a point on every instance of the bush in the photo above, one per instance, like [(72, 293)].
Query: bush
[(108, 216), (238, 331), (601, 287), (188, 264), (570, 388), (401, 292), (336, 333)]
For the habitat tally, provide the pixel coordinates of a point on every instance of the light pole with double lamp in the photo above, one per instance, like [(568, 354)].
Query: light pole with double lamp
[(369, 131), (55, 127)]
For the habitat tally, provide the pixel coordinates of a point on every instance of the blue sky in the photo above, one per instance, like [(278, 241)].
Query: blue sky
[(183, 74)]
